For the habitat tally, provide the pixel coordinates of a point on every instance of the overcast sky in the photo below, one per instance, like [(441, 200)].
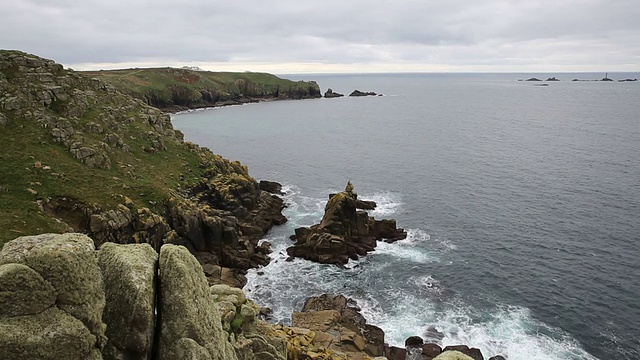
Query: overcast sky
[(302, 36)]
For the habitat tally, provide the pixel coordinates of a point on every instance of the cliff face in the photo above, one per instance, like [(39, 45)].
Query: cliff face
[(176, 89), (80, 155)]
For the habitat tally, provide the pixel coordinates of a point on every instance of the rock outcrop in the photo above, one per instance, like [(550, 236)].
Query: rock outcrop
[(344, 232), (338, 325), (331, 94), (362, 93)]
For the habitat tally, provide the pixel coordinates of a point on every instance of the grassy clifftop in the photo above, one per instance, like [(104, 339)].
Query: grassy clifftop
[(74, 147), (171, 88)]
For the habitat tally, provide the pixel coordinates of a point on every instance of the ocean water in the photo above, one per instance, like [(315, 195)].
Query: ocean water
[(522, 204)]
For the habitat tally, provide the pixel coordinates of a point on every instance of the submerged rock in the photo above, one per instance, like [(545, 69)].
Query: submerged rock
[(344, 232)]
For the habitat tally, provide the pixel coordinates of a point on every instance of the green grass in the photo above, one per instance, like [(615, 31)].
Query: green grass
[(162, 84)]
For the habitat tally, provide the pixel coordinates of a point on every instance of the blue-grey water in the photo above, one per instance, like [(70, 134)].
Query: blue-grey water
[(522, 204)]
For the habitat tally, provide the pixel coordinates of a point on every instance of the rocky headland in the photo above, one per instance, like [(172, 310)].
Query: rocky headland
[(122, 241), (174, 89)]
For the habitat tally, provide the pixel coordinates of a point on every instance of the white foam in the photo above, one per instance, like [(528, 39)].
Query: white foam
[(388, 203), (283, 286)]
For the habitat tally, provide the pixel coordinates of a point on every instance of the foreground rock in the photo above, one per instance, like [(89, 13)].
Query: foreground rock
[(344, 232), (129, 273), (63, 317), (190, 326)]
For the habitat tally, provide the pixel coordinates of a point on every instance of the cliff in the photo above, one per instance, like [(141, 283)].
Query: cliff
[(80, 155), (179, 89)]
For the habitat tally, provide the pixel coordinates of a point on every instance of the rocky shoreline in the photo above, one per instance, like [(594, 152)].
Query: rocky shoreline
[(158, 235)]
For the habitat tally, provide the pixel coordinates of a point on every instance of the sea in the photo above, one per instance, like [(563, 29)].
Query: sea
[(521, 202)]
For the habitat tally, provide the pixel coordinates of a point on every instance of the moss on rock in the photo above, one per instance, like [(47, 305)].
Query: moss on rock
[(187, 310), (68, 262), (129, 277), (23, 291)]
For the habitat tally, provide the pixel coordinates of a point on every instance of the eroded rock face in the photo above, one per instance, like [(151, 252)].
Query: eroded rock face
[(129, 273), (344, 232), (63, 317), (190, 327), (339, 326)]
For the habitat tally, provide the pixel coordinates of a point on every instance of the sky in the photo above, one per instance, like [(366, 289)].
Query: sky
[(329, 36)]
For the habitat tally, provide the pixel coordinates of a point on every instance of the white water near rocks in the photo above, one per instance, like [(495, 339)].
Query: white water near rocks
[(284, 285), (521, 204)]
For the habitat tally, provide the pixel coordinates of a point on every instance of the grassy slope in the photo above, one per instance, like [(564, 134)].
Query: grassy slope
[(140, 82), (146, 178)]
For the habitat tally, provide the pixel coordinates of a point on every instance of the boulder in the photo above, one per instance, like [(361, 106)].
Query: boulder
[(431, 350), (473, 353), (68, 263), (190, 325), (452, 355), (344, 232), (497, 357), (129, 273), (331, 94), (271, 187), (414, 341), (533, 79)]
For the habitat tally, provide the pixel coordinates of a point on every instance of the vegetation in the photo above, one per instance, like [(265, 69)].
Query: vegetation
[(186, 88)]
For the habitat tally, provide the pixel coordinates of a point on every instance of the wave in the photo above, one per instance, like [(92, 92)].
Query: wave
[(396, 290)]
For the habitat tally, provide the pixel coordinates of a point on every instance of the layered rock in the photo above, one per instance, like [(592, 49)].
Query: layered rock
[(338, 326), (344, 232)]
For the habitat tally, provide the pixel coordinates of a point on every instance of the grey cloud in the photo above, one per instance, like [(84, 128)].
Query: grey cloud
[(464, 33)]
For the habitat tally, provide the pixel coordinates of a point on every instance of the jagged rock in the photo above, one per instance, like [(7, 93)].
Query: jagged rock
[(362, 93), (190, 326), (473, 353), (271, 187), (344, 327), (330, 94), (129, 273), (70, 329), (552, 79), (452, 355), (344, 232)]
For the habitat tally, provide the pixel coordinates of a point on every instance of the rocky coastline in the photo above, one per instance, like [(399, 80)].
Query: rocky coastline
[(123, 241)]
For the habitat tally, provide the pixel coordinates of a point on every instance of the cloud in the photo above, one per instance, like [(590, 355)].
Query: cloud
[(456, 35)]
